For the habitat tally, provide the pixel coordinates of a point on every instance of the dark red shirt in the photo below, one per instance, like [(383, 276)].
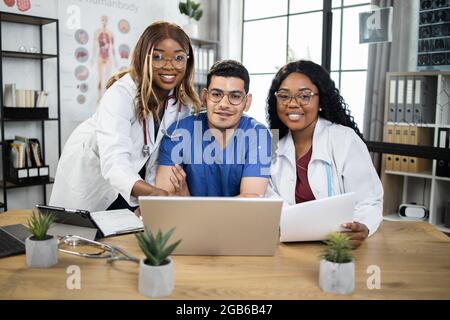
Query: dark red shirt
[(303, 191)]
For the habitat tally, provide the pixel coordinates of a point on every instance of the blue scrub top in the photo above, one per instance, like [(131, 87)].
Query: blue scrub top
[(210, 170)]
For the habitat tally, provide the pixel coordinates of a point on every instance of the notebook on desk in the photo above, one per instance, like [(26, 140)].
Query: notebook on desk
[(105, 223), (216, 226)]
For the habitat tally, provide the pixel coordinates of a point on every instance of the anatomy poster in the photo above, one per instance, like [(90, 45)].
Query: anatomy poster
[(30, 7), (96, 39)]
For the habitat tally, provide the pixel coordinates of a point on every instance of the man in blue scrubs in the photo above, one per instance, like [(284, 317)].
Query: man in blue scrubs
[(220, 152)]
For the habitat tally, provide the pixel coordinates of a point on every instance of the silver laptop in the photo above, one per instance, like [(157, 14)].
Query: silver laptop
[(216, 225)]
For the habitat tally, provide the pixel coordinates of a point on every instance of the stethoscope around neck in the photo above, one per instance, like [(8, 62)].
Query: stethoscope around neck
[(146, 147)]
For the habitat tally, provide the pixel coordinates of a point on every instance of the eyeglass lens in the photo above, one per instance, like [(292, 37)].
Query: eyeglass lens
[(234, 97), (178, 61), (302, 98)]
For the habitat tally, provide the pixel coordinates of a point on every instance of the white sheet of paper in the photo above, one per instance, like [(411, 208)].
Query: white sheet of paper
[(60, 230), (117, 221), (314, 220)]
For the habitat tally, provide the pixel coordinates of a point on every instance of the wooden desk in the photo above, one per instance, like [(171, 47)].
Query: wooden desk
[(414, 259)]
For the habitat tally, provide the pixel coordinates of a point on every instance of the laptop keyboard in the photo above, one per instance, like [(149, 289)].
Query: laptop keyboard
[(9, 245)]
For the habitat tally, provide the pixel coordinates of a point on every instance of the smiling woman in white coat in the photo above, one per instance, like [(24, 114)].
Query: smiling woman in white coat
[(321, 152), (110, 159)]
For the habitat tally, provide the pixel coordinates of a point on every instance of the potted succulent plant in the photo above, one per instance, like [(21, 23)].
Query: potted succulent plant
[(156, 272), (192, 10), (41, 249), (337, 267)]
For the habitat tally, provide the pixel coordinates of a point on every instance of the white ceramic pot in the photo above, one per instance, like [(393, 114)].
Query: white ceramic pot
[(41, 253), (191, 29), (156, 281), (337, 277)]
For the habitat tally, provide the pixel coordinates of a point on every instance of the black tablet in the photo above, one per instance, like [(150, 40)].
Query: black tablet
[(75, 217)]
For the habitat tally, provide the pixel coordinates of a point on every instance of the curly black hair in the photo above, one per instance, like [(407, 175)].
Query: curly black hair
[(331, 102)]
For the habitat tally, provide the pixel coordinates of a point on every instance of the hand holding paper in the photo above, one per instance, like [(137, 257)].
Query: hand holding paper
[(314, 220)]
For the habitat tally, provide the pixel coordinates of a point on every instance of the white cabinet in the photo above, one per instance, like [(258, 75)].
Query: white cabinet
[(425, 185)]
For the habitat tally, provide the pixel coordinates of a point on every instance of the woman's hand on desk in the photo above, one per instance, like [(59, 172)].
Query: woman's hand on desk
[(359, 232), (178, 179)]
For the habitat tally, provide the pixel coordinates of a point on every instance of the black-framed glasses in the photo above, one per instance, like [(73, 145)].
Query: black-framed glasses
[(302, 98), (178, 61), (234, 97)]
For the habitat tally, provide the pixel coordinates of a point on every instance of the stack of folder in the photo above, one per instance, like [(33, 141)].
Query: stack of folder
[(412, 135), (24, 161), (204, 59), (412, 99), (443, 166)]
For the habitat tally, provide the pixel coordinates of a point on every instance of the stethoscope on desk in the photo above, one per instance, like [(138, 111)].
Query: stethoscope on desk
[(146, 148), (105, 251)]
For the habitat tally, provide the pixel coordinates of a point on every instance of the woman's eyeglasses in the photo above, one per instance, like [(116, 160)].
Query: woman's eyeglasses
[(302, 98), (178, 61), (234, 97)]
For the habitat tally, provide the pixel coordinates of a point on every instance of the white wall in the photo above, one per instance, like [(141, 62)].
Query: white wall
[(231, 29), (25, 73)]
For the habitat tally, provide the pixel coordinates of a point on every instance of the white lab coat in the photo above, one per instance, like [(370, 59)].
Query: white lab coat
[(351, 170), (103, 156)]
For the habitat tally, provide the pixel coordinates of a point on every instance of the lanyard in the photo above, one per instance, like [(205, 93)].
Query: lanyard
[(330, 191)]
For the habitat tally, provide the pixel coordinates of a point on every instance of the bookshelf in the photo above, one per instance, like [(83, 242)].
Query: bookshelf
[(205, 54), (19, 57), (425, 187), (27, 55)]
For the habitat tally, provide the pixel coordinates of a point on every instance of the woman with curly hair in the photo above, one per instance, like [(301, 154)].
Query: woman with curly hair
[(321, 151)]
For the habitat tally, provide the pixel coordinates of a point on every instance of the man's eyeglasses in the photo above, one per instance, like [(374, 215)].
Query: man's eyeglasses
[(178, 61), (234, 97), (302, 98)]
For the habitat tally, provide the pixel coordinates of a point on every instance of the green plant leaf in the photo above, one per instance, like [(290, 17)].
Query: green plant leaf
[(150, 241), (154, 247), (189, 9), (182, 8), (198, 15), (143, 244), (39, 223), (167, 236), (168, 251), (337, 248), (158, 237), (158, 241)]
